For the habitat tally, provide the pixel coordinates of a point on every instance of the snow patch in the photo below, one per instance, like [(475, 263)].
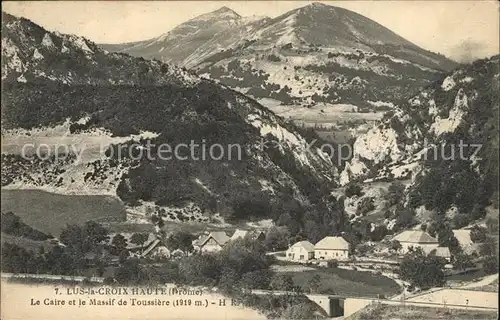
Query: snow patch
[(448, 83)]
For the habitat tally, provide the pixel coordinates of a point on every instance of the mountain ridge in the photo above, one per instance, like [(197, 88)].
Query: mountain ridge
[(281, 181), (317, 54)]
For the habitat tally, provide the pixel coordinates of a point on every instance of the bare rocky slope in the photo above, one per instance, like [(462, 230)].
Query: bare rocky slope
[(58, 86), (443, 142), (316, 54)]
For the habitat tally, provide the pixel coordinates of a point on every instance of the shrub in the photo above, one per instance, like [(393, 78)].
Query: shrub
[(422, 270), (259, 279), (378, 233), (108, 281), (353, 189), (395, 245), (462, 261), (273, 58), (332, 263), (314, 283), (490, 264), (478, 234), (405, 217), (282, 282), (365, 205), (395, 193), (363, 248)]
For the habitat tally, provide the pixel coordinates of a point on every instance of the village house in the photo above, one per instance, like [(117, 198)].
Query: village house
[(252, 234), (212, 242), (156, 249), (465, 241), (136, 248), (330, 248), (442, 252), (416, 239), (300, 251)]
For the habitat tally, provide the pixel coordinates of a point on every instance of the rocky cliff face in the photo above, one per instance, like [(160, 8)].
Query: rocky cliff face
[(445, 139)]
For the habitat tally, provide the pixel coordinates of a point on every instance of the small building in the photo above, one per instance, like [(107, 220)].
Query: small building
[(442, 252), (253, 234), (300, 251), (156, 249), (213, 242), (133, 247), (415, 239), (463, 237), (160, 251), (330, 248)]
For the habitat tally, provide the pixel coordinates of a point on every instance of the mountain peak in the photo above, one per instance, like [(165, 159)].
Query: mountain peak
[(225, 10), (317, 5), (221, 13)]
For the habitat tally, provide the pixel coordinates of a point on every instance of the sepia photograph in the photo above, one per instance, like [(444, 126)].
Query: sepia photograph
[(250, 160)]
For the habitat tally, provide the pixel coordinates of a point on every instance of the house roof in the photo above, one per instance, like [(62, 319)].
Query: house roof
[(239, 234), (334, 243), (243, 233), (463, 237), (151, 246), (219, 236), (415, 236), (128, 235), (438, 252), (309, 247)]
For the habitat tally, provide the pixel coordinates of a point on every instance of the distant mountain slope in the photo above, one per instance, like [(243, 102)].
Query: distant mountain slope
[(315, 54), (177, 45), (32, 54), (112, 97)]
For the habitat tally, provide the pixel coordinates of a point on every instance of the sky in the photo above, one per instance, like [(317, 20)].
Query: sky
[(462, 30)]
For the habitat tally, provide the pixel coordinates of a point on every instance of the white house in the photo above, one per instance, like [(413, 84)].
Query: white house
[(301, 251), (330, 248), (213, 242), (465, 241), (416, 238)]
